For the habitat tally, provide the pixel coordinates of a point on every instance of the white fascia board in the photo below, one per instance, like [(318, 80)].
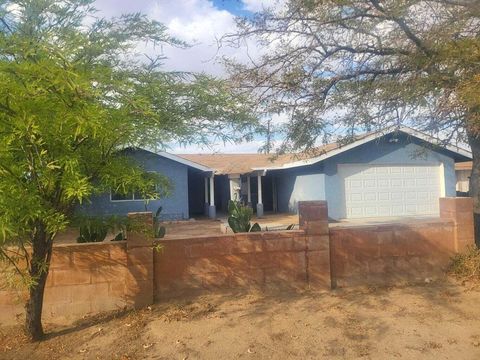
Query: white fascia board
[(183, 161), (366, 139), (326, 155), (180, 160), (435, 141)]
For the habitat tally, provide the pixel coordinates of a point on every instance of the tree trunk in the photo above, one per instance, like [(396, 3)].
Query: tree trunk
[(40, 261), (474, 141)]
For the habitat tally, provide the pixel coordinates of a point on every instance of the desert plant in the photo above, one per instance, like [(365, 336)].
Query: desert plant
[(93, 229), (159, 230), (466, 265), (239, 217), (96, 228)]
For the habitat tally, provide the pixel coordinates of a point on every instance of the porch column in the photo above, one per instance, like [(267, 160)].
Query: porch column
[(211, 209), (235, 186), (249, 192), (260, 202), (206, 206)]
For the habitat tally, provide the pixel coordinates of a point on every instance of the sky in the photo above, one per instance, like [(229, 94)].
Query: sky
[(200, 23)]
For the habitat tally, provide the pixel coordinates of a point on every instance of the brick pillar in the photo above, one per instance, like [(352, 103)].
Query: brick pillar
[(139, 279), (460, 210), (313, 219)]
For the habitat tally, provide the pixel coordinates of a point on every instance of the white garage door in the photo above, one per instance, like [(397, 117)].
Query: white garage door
[(390, 190)]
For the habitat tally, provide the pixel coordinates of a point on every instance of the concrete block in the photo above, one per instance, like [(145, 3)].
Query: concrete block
[(74, 276)]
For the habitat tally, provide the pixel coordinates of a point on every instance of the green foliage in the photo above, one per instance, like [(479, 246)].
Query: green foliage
[(466, 266), (239, 217), (74, 95), (96, 228), (93, 230)]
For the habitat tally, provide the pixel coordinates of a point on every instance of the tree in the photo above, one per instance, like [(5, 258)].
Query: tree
[(267, 128), (355, 65), (73, 94)]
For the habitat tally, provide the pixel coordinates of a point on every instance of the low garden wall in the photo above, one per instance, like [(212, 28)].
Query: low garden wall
[(394, 253), (294, 259), (85, 279)]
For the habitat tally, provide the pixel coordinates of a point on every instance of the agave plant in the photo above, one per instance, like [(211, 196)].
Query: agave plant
[(239, 217)]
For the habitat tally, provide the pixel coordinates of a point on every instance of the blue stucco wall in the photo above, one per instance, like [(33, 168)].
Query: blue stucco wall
[(175, 206), (322, 182), (294, 185)]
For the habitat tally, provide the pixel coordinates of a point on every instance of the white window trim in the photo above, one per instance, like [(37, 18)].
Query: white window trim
[(133, 195)]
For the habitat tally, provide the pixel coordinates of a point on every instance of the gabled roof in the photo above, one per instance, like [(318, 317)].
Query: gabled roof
[(178, 159), (335, 150), (184, 161), (246, 163), (225, 164)]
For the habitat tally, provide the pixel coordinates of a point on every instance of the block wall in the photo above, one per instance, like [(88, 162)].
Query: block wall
[(86, 279), (401, 252), (83, 279)]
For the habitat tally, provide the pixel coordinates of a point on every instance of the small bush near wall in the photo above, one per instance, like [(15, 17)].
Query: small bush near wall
[(96, 228), (466, 266)]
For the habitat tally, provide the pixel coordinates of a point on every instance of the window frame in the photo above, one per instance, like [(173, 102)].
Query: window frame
[(133, 195)]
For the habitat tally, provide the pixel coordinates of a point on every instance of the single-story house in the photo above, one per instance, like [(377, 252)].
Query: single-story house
[(396, 172)]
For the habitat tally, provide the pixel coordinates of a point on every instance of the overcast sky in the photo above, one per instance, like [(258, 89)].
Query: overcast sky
[(199, 22)]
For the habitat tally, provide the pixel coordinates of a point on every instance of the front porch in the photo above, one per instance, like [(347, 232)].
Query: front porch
[(204, 226), (209, 194)]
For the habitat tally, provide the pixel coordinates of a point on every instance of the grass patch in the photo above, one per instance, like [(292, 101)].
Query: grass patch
[(466, 266)]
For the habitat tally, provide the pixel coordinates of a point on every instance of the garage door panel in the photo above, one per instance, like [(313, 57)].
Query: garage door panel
[(383, 196), (390, 190)]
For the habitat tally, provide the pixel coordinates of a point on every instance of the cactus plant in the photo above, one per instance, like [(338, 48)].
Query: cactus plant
[(239, 217)]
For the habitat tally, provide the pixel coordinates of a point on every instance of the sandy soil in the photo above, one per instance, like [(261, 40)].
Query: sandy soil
[(434, 321)]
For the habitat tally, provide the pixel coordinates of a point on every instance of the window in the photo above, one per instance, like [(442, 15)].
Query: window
[(136, 196), (120, 197), (132, 196)]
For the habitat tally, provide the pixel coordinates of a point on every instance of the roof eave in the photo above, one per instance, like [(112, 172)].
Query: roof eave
[(454, 149)]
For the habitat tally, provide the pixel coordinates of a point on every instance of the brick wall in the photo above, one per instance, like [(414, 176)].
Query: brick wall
[(83, 279), (390, 253), (89, 278), (86, 279), (396, 253), (256, 260), (277, 259)]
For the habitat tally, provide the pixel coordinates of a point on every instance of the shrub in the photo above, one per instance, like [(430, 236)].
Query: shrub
[(466, 265), (92, 229), (96, 228), (239, 217)]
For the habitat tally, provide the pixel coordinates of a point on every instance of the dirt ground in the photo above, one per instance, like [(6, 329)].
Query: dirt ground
[(434, 321)]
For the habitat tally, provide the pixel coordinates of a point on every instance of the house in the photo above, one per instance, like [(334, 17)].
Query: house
[(183, 174), (463, 171), (396, 172)]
